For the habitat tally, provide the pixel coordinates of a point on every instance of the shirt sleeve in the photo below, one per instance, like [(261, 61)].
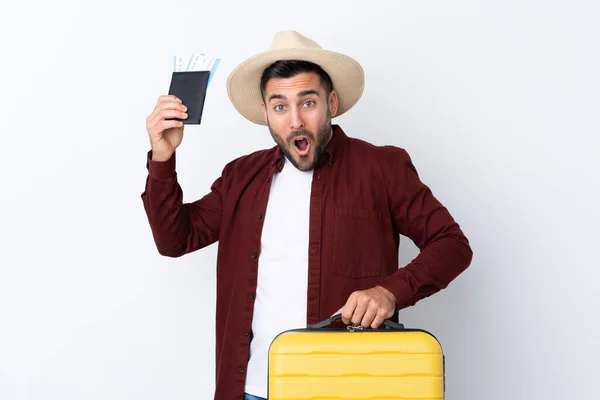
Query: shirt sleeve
[(179, 228), (417, 214)]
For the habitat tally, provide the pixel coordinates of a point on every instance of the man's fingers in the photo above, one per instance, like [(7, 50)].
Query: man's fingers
[(168, 124), (167, 103), (347, 312), (168, 97), (171, 105), (167, 107), (164, 114), (359, 312), (368, 317), (377, 321), (348, 309)]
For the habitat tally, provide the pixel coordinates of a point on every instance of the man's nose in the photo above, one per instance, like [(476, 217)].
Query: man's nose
[(296, 121)]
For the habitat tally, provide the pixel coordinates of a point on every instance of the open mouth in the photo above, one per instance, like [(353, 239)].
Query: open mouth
[(301, 145)]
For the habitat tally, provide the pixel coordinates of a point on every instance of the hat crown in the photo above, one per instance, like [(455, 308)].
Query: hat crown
[(292, 40)]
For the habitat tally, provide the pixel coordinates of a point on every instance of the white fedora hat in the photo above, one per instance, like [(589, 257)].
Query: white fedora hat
[(243, 84)]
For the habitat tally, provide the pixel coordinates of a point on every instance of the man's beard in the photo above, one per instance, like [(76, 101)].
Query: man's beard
[(318, 142)]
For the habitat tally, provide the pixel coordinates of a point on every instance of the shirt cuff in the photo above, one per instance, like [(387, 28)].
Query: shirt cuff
[(400, 288), (161, 170)]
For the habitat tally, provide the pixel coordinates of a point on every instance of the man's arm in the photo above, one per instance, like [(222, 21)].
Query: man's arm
[(180, 228), (445, 251), (418, 215)]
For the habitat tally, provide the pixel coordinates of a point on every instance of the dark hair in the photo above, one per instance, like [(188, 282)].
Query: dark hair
[(290, 68)]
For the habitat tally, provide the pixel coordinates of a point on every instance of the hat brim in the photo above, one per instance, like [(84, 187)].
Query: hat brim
[(243, 84)]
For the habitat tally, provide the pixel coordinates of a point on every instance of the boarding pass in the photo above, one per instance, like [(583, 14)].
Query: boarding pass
[(196, 62)]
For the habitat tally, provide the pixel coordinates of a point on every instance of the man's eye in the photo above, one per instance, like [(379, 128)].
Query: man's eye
[(309, 103), (279, 108)]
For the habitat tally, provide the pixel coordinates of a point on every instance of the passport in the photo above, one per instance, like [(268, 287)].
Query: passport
[(189, 82)]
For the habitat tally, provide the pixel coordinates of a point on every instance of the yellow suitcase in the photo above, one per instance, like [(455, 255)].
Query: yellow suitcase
[(392, 362)]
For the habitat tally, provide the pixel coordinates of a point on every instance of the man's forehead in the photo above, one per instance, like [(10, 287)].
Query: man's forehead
[(295, 85)]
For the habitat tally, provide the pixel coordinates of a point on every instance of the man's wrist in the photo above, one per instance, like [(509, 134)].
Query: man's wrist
[(160, 156), (389, 294)]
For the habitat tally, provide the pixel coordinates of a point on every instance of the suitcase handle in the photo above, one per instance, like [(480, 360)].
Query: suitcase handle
[(388, 324)]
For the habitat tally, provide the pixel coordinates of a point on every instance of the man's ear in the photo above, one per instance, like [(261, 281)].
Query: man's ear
[(333, 103), (264, 109)]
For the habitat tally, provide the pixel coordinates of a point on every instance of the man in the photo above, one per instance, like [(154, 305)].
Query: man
[(307, 228)]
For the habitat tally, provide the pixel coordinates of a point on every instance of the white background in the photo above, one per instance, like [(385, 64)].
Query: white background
[(497, 102)]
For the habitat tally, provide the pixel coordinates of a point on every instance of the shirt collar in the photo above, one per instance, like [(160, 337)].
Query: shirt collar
[(330, 154)]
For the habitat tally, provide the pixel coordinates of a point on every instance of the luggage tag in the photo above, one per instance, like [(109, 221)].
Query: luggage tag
[(189, 82)]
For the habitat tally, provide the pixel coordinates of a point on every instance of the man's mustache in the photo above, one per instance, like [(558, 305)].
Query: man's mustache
[(296, 134)]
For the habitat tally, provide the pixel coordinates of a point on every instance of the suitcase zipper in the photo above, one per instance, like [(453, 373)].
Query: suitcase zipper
[(355, 327)]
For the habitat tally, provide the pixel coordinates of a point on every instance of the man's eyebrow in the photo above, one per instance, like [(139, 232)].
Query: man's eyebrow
[(277, 96), (307, 92), (300, 94)]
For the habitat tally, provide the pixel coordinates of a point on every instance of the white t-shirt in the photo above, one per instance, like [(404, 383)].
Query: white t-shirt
[(280, 302)]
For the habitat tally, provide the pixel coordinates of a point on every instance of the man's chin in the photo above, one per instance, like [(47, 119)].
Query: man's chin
[(305, 166), (301, 162)]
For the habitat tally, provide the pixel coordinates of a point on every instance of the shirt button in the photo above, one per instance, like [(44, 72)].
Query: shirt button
[(259, 216), (246, 333), (253, 255), (241, 370), (251, 296)]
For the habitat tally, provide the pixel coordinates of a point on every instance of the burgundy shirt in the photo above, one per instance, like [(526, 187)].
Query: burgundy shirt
[(363, 196)]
